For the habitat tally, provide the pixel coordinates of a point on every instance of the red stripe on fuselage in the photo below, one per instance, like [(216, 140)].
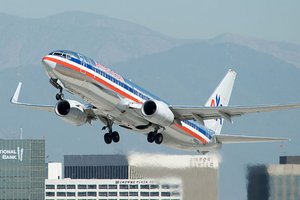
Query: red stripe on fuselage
[(195, 135)]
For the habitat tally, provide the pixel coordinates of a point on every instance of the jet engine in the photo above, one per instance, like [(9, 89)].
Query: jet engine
[(72, 112), (157, 112)]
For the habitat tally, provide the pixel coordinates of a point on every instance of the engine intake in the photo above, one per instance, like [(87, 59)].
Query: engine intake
[(157, 112), (72, 112)]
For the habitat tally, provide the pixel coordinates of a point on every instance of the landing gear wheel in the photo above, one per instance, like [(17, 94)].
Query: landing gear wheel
[(151, 137), (115, 136), (107, 138), (59, 96), (158, 138)]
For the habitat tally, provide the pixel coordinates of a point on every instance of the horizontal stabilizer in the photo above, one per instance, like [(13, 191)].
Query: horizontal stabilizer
[(229, 139)]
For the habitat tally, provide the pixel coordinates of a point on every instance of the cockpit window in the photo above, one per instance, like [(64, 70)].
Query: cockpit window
[(70, 54)]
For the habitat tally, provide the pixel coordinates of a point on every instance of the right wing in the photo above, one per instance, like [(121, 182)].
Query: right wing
[(227, 112), (15, 100)]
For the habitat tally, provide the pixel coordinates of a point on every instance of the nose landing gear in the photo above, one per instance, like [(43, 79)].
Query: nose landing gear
[(56, 83)]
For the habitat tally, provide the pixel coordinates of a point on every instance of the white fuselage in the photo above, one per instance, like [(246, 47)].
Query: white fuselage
[(110, 93)]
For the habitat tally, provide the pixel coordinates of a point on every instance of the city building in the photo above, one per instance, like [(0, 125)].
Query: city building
[(96, 166), (175, 176), (276, 181), (54, 170), (22, 169), (113, 189)]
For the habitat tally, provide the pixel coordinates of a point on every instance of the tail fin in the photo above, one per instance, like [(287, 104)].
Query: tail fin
[(220, 97)]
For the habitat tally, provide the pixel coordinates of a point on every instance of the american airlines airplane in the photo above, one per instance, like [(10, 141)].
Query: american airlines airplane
[(112, 99)]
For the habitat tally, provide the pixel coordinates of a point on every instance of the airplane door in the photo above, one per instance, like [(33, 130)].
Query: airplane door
[(83, 63)]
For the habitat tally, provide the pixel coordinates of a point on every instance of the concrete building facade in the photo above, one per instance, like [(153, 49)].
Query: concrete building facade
[(198, 173)]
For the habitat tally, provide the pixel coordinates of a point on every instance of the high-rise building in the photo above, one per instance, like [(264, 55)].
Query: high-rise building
[(276, 181), (22, 169)]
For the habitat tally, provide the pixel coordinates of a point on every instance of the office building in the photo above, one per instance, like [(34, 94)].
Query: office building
[(112, 189), (276, 181), (96, 166), (198, 173), (22, 169)]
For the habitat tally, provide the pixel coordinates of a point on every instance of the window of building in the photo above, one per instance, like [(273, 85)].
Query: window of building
[(92, 194), (71, 186), (144, 186), (133, 194), (134, 187), (165, 186), (102, 187), (176, 194), (50, 194), (50, 187), (61, 187), (70, 194), (81, 194), (145, 194), (154, 186), (112, 194), (123, 187), (165, 194), (61, 194), (92, 186), (103, 194), (113, 187), (123, 194), (81, 186), (154, 194)]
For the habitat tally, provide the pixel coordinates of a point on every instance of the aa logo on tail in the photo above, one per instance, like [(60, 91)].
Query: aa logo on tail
[(216, 103)]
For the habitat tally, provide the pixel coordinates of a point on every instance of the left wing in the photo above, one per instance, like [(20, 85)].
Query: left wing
[(227, 112), (15, 100)]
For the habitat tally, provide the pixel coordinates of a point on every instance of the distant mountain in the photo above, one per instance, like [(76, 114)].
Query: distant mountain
[(288, 52), (24, 41)]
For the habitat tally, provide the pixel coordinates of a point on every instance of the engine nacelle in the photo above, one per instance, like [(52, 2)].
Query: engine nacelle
[(157, 112), (72, 112)]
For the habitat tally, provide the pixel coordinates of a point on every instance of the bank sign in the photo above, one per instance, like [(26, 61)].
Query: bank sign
[(12, 154)]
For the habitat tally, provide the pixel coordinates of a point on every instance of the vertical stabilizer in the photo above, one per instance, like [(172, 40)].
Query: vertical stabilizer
[(220, 97)]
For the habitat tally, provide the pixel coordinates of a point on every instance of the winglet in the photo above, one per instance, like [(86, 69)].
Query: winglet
[(15, 97)]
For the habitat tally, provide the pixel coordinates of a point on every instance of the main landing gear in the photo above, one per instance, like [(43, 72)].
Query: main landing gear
[(111, 136), (59, 96), (156, 137)]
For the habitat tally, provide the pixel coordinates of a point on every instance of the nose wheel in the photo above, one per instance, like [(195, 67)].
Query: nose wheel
[(59, 96)]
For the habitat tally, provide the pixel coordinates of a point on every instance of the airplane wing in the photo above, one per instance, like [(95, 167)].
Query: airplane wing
[(229, 139), (15, 100), (227, 112), (90, 109)]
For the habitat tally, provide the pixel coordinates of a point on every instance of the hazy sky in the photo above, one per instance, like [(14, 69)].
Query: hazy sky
[(199, 19)]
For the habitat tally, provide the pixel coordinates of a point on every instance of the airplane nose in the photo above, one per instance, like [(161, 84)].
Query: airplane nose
[(49, 65)]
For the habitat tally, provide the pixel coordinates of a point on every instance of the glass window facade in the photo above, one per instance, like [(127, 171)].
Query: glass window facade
[(22, 174)]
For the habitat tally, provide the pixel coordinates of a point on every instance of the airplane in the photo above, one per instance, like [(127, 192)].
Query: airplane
[(112, 99)]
